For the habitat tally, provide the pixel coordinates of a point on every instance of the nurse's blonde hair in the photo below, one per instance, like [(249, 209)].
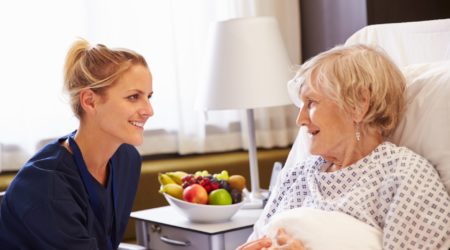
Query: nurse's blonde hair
[(95, 67)]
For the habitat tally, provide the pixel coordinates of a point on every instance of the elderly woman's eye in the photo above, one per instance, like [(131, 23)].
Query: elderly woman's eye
[(310, 104)]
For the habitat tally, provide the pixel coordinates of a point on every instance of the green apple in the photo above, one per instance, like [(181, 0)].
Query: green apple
[(220, 197)]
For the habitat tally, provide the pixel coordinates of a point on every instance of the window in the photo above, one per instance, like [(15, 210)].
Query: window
[(170, 34)]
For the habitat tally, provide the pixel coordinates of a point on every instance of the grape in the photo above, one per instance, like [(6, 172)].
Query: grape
[(236, 196), (224, 184), (199, 179), (187, 180), (215, 185)]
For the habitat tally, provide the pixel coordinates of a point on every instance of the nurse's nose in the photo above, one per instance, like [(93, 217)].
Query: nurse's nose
[(147, 109)]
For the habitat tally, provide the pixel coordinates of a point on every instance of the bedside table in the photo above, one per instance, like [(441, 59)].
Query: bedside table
[(164, 228)]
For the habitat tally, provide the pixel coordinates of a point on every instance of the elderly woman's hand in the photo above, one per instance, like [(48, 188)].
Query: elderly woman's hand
[(260, 244), (284, 242), (287, 242)]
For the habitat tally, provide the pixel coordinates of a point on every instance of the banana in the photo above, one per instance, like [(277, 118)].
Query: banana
[(164, 179), (173, 190), (177, 176)]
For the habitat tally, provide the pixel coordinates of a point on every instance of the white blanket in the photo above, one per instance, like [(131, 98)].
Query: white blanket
[(323, 230)]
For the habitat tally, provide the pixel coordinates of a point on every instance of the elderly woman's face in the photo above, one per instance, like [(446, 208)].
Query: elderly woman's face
[(331, 129)]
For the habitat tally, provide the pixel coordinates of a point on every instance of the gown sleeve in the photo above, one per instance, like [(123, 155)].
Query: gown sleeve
[(419, 215), (279, 191)]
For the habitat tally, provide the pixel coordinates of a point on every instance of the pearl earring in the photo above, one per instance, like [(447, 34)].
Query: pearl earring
[(358, 133)]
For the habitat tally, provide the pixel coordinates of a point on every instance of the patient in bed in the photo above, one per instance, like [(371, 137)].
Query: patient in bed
[(356, 186)]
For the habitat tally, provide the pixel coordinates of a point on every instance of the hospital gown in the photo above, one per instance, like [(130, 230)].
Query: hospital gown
[(392, 189)]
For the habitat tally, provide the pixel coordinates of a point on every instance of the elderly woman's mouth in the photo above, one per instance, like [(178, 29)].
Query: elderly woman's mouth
[(315, 132)]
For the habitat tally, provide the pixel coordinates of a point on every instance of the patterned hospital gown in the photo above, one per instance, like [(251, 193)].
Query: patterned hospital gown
[(392, 189)]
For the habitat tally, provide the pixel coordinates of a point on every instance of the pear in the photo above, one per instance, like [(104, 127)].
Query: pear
[(237, 182)]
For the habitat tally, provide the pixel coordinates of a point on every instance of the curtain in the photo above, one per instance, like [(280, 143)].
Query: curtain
[(171, 34)]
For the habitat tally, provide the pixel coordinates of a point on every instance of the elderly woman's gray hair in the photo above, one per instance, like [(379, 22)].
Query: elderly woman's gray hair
[(345, 74)]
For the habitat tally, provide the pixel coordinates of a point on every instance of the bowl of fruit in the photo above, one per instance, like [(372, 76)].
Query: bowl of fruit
[(203, 197)]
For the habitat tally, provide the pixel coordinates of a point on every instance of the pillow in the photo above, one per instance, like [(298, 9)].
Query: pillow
[(408, 42), (325, 230), (425, 128)]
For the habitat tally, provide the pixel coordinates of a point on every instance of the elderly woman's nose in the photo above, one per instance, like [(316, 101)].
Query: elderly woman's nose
[(303, 117)]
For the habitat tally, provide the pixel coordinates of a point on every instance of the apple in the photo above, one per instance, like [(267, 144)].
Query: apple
[(195, 193), (220, 197)]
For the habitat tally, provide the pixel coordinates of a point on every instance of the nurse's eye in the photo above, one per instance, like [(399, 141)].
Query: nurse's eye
[(133, 97)]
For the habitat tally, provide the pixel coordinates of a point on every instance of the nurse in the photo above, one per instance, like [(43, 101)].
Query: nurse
[(77, 192)]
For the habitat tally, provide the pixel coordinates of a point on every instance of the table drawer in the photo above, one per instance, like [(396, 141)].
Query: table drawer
[(163, 237), (233, 239)]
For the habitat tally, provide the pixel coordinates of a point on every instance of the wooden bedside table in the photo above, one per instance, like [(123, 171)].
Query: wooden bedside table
[(164, 228)]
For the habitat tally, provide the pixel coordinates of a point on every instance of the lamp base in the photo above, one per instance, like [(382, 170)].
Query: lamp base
[(254, 200)]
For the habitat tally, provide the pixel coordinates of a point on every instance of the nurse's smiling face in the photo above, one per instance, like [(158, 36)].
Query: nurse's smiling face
[(331, 128), (124, 108)]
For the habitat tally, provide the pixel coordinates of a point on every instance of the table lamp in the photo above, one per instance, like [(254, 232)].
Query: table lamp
[(247, 67)]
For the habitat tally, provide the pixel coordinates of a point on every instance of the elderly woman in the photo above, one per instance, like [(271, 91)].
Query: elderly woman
[(351, 100)]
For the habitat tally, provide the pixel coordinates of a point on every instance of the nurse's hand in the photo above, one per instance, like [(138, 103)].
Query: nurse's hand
[(261, 244), (286, 242)]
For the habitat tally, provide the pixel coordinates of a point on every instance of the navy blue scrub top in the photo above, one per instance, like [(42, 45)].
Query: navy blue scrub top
[(47, 206)]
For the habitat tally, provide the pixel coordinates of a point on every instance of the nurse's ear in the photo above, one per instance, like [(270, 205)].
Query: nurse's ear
[(88, 100)]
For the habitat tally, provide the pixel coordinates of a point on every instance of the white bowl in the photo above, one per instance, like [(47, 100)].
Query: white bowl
[(204, 213)]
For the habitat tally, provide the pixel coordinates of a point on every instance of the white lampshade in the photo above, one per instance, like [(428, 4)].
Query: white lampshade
[(247, 66)]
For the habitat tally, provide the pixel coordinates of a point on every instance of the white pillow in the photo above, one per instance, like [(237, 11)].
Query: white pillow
[(425, 127), (408, 42), (324, 230)]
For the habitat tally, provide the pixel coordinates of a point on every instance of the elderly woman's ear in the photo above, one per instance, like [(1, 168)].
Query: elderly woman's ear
[(361, 107)]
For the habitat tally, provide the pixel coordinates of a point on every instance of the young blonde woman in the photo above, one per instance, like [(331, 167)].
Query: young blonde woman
[(77, 191)]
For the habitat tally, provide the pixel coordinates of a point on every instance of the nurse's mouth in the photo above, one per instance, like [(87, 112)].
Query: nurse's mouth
[(137, 124)]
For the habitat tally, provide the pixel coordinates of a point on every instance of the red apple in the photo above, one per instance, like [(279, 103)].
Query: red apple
[(195, 193)]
